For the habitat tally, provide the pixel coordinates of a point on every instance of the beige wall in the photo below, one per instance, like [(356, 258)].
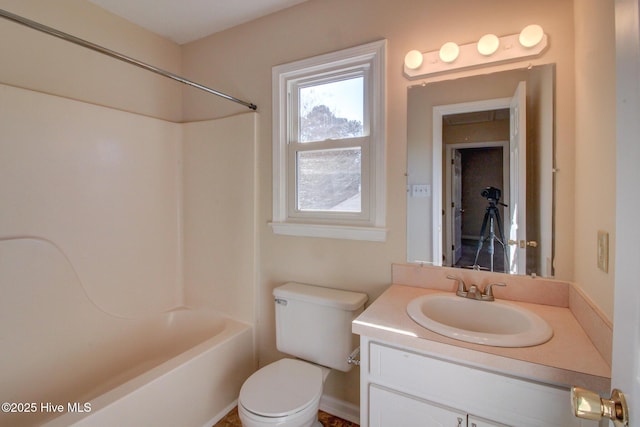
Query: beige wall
[(595, 146)]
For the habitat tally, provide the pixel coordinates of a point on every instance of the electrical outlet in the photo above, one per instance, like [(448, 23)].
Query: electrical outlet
[(603, 251)]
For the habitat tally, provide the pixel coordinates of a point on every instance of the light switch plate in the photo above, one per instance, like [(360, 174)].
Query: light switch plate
[(420, 190), (603, 251)]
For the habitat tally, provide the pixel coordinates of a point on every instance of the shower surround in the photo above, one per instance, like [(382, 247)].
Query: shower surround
[(113, 234)]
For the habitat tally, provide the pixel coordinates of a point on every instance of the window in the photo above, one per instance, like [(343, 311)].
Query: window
[(328, 145)]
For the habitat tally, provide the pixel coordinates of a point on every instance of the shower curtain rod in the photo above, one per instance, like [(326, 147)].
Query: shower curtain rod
[(73, 39)]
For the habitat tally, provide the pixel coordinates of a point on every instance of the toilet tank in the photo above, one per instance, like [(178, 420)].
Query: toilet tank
[(313, 323)]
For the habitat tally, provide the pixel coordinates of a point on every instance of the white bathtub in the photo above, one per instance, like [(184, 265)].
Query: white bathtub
[(64, 362)]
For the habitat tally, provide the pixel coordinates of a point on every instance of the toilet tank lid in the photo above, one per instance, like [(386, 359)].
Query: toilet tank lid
[(345, 300)]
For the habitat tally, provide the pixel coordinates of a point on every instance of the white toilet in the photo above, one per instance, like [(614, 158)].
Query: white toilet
[(314, 324)]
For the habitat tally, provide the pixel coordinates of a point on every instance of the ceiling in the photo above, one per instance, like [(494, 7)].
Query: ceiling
[(186, 20)]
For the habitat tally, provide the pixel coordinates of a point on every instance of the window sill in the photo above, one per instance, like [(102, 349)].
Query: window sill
[(347, 232)]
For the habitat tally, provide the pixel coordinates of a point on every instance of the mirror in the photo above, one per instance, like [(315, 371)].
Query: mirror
[(480, 173)]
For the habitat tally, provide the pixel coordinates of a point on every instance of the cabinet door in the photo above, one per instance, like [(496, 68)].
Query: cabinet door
[(481, 422), (388, 408)]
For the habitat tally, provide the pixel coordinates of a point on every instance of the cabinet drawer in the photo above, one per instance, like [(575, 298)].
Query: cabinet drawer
[(485, 394)]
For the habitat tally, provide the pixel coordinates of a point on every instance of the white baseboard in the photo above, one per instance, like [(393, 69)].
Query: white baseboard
[(340, 408), (220, 415)]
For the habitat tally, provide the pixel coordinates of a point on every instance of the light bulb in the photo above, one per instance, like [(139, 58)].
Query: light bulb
[(413, 60), (531, 35), (488, 44), (449, 52)]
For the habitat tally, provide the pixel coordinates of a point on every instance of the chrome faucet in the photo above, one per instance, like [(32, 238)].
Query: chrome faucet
[(474, 292)]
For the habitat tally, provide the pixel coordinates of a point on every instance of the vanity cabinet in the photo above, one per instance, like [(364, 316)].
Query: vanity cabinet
[(404, 387)]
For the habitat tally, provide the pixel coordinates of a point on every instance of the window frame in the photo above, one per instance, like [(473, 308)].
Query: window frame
[(368, 61)]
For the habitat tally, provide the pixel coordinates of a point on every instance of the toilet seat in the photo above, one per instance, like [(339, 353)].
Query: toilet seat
[(282, 388)]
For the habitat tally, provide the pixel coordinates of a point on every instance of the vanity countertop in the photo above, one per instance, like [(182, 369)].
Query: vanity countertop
[(569, 358)]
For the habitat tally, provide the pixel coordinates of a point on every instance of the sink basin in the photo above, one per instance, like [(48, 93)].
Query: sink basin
[(493, 323)]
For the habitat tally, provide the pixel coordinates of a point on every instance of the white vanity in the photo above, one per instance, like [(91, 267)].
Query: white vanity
[(411, 376)]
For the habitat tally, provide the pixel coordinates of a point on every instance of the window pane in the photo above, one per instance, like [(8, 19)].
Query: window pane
[(329, 180), (331, 110)]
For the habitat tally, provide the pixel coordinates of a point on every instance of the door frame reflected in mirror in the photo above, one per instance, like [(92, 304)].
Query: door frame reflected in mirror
[(441, 222)]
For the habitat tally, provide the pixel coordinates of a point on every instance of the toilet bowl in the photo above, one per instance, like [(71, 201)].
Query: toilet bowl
[(285, 393)]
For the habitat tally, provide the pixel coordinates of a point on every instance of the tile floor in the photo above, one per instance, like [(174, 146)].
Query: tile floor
[(327, 420)]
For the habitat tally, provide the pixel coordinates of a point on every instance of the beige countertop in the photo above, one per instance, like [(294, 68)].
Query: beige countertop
[(569, 358)]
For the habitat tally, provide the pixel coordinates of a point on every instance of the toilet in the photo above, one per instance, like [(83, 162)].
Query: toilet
[(313, 324)]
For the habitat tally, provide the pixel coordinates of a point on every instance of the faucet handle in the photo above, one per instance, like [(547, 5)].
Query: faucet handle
[(488, 290), (462, 288)]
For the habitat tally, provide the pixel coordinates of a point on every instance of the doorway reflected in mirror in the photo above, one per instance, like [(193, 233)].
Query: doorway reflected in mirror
[(476, 145)]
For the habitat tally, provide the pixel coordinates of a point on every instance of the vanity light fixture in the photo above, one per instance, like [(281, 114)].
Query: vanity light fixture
[(490, 49)]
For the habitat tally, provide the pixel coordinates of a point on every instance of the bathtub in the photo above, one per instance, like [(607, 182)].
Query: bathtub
[(65, 362)]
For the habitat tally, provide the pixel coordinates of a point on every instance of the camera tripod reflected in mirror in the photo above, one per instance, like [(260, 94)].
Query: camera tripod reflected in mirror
[(492, 218)]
